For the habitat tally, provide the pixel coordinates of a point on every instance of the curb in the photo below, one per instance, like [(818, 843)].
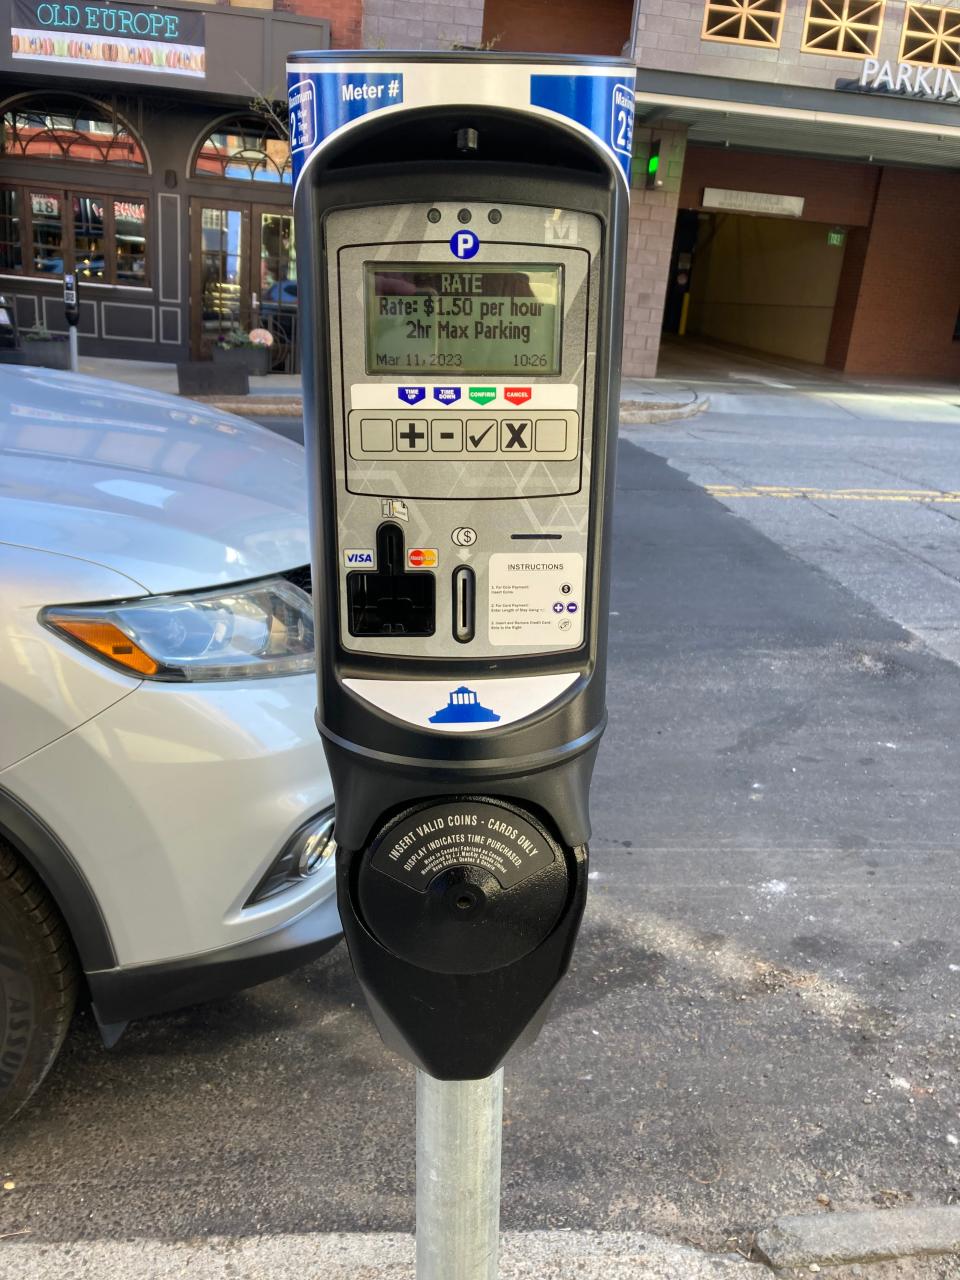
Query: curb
[(632, 412), (642, 412), (833, 1239), (250, 407)]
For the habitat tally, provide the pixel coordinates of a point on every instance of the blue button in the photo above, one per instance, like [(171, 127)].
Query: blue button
[(411, 395), (558, 607), (572, 607), (446, 395), (464, 244)]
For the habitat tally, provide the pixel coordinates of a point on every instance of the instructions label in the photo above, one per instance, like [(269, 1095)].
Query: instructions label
[(459, 835), (536, 600)]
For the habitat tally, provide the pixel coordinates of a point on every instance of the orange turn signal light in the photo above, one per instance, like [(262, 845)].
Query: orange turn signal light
[(107, 640)]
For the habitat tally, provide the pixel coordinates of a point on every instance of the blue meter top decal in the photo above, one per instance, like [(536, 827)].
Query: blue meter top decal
[(322, 102), (326, 98), (602, 104)]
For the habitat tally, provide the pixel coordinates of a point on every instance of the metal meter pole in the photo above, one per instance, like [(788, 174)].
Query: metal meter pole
[(459, 1128)]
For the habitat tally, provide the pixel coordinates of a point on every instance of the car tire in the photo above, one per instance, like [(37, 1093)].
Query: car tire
[(38, 982)]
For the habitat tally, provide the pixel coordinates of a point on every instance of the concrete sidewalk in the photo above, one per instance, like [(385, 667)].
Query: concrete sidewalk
[(647, 401), (530, 1255)]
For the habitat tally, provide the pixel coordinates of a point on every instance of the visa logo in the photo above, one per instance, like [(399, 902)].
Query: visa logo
[(358, 559)]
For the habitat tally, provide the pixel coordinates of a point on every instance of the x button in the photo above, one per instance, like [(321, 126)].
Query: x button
[(516, 435)]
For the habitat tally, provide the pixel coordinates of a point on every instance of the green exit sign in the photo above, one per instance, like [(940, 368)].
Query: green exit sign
[(837, 237)]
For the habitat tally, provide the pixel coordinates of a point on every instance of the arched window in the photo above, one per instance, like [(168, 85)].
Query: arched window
[(245, 149), (62, 127)]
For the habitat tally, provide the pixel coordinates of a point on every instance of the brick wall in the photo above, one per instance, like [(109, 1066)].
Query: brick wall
[(653, 215), (401, 24), (544, 26), (905, 280), (839, 191), (344, 17)]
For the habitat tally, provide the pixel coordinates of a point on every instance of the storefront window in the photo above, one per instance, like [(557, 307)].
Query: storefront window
[(130, 236), (62, 128), (46, 223), (11, 251), (247, 149), (103, 238), (88, 238)]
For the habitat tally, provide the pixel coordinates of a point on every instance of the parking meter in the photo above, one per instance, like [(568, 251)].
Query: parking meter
[(9, 337), (71, 307), (71, 300), (460, 221)]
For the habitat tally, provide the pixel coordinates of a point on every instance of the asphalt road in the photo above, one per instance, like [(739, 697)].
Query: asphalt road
[(762, 1008)]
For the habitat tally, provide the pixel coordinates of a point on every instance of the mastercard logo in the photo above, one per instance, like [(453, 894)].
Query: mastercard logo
[(422, 558)]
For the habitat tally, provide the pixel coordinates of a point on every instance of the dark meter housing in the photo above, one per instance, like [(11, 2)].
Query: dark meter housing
[(460, 222)]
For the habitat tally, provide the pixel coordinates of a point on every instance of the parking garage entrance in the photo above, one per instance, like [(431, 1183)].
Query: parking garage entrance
[(768, 284)]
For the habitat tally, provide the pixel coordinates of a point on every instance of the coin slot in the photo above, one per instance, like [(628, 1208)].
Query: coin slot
[(464, 604)]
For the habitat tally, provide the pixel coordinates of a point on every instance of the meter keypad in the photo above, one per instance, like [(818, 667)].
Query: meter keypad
[(554, 436), (446, 435), (516, 435), (411, 435), (482, 436), (376, 435), (551, 435)]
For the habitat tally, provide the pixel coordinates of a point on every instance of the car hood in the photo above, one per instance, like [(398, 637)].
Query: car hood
[(174, 494)]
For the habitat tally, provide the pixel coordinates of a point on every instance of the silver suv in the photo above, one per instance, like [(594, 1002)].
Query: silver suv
[(165, 807)]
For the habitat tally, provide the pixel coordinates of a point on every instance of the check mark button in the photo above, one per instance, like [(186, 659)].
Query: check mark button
[(481, 435)]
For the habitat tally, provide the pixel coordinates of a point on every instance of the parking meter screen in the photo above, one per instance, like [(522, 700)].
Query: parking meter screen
[(490, 320)]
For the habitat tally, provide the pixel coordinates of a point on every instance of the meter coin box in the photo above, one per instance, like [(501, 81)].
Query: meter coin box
[(460, 225)]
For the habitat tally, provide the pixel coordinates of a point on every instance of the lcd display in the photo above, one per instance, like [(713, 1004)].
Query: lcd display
[(488, 320)]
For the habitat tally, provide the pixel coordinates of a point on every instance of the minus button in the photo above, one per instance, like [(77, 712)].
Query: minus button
[(446, 435)]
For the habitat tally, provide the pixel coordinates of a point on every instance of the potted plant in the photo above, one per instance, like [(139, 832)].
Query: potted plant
[(251, 351), (46, 349)]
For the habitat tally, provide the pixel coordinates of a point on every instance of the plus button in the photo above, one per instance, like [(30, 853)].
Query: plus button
[(411, 436)]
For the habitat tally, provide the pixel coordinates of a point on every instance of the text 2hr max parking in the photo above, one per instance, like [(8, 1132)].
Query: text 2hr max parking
[(460, 224)]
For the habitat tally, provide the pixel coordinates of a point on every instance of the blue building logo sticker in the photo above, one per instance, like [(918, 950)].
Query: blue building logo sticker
[(464, 244), (463, 707)]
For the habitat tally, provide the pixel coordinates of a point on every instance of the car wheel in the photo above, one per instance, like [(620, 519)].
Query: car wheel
[(38, 982)]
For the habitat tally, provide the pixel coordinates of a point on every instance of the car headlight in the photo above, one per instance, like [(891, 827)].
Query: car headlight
[(260, 629)]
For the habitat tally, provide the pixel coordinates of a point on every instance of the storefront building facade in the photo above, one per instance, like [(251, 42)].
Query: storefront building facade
[(140, 150), (809, 162), (807, 166), (806, 158)]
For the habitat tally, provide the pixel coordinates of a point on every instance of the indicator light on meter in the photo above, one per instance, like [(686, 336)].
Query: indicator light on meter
[(653, 179)]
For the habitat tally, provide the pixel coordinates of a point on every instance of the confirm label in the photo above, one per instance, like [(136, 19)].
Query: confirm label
[(530, 599)]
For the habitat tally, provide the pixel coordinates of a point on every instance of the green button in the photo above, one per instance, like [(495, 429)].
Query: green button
[(482, 395)]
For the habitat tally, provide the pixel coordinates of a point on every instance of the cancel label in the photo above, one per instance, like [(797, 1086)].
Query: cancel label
[(459, 835)]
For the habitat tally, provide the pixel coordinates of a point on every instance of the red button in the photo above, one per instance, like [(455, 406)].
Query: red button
[(517, 395)]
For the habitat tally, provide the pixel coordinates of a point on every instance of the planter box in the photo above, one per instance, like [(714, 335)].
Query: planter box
[(256, 360), (12, 355), (203, 378), (48, 354)]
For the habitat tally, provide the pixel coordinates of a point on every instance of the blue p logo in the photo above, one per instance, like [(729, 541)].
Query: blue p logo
[(464, 244)]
